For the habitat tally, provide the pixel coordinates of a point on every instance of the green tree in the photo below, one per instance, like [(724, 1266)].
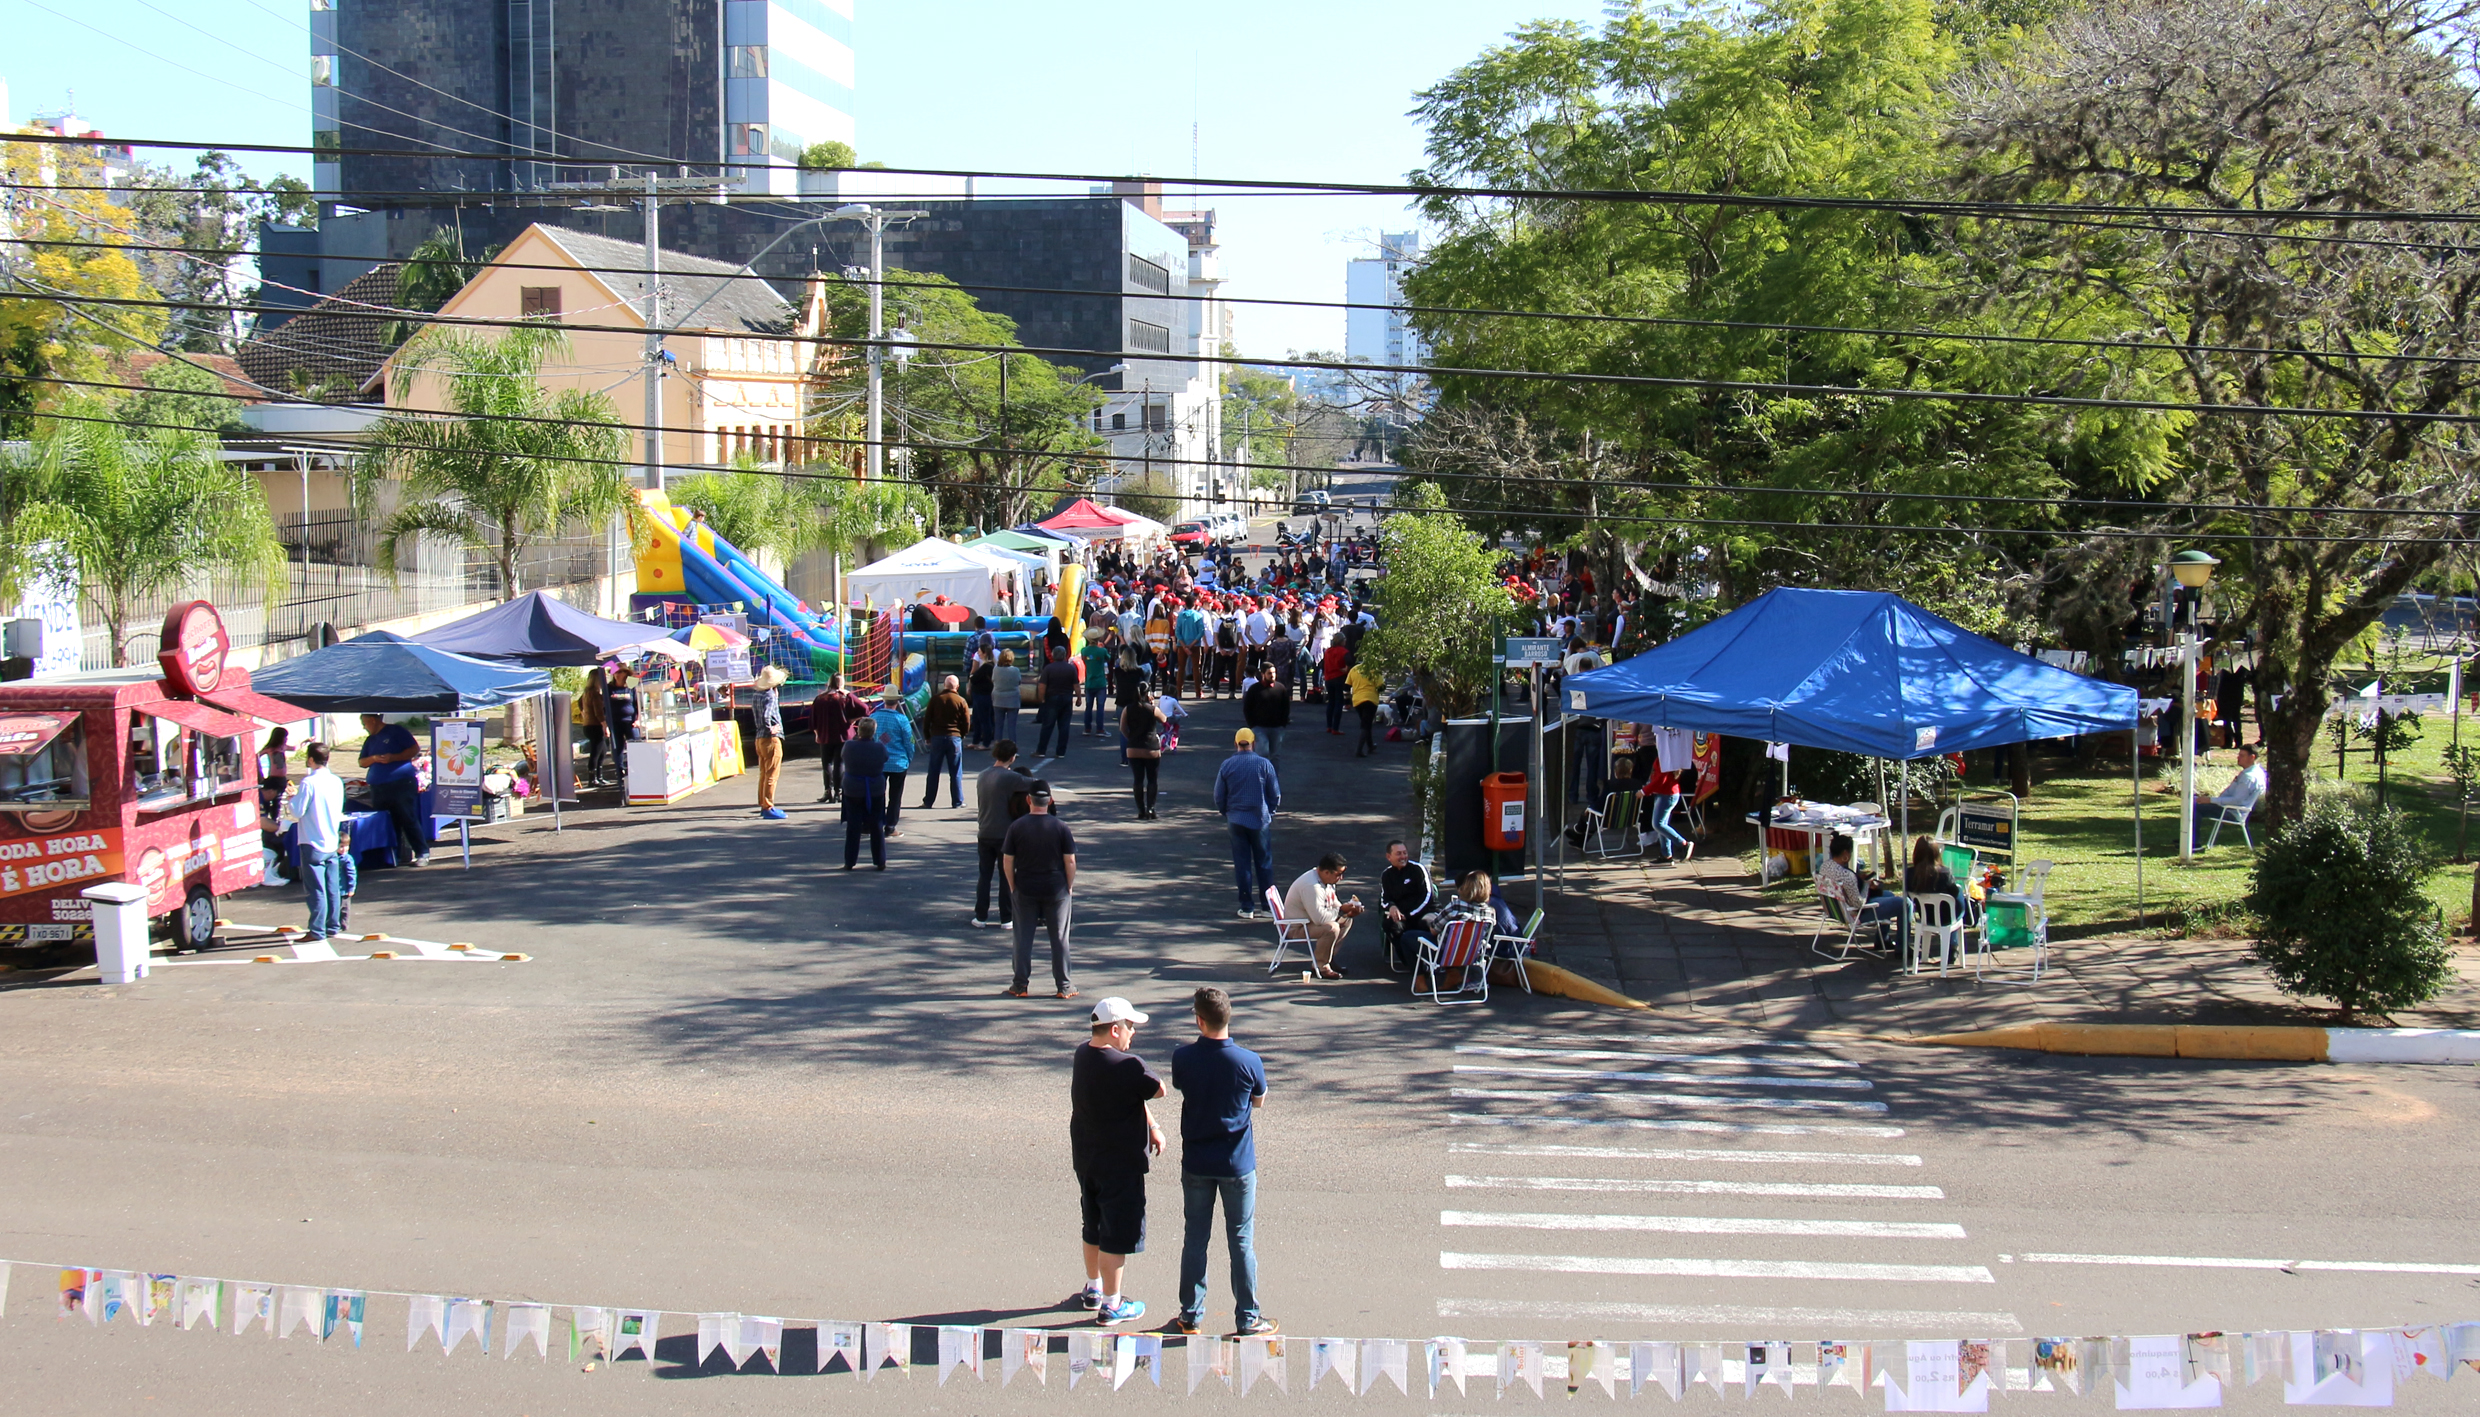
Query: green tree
[(2338, 890), (2203, 111), (1441, 605), (207, 218), (828, 156), (432, 276), (473, 476), (1779, 98), (788, 516), (1149, 494), (180, 394), (55, 200), (995, 435), (134, 519)]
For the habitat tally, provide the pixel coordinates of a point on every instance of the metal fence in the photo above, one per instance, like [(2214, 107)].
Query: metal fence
[(330, 579)]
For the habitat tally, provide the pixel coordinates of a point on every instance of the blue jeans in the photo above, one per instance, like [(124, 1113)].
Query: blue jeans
[(1270, 743), (1338, 694), (1239, 1196), (1252, 857), (1669, 836), (1005, 715), (983, 720), (946, 750), (322, 881), (1095, 697)]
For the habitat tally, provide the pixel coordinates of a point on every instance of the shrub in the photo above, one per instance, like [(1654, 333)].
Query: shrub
[(828, 156), (2344, 918)]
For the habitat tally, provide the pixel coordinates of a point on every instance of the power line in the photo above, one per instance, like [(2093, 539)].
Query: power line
[(1426, 371), (894, 282), (1423, 474), (1646, 196), (1948, 530)]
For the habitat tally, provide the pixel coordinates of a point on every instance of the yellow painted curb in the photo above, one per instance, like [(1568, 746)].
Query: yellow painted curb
[(1566, 984), (2149, 1040)]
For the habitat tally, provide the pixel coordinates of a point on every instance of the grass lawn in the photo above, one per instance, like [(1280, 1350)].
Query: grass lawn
[(2081, 820)]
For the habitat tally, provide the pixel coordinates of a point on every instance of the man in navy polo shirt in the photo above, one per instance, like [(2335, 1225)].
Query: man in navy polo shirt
[(1221, 1086)]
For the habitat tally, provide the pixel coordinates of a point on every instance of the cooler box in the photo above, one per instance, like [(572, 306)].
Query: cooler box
[(1502, 811)]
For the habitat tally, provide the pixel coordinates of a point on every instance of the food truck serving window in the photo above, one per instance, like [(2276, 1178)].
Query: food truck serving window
[(208, 760), (42, 761)]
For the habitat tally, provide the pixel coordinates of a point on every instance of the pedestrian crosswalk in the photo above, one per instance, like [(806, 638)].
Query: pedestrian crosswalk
[(1782, 1201)]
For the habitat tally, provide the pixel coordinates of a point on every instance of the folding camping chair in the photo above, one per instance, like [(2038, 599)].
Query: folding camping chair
[(1465, 946), (1617, 814), (1831, 917), (1514, 948), (1287, 932), (2019, 919)]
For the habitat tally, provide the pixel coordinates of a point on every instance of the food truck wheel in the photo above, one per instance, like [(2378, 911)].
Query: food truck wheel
[(193, 925)]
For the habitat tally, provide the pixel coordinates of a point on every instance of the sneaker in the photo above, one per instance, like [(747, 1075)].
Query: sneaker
[(1244, 915), (1015, 991), (1257, 1327), (1184, 1324), (980, 924), (895, 836), (1688, 852), (774, 814), (422, 858), (1126, 1311), (1089, 1297), (1070, 994)]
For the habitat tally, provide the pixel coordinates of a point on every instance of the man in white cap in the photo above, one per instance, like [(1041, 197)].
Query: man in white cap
[(1111, 1135), (767, 722)]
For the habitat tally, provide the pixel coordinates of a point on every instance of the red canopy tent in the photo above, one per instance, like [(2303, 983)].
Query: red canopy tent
[(1085, 518)]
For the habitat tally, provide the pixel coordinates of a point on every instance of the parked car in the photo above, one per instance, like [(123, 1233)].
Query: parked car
[(1191, 535), (1231, 526)]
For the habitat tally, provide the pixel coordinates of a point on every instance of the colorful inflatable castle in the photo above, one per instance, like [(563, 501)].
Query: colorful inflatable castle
[(686, 569)]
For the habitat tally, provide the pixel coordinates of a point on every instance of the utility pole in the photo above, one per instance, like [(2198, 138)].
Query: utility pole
[(651, 190), (876, 221)]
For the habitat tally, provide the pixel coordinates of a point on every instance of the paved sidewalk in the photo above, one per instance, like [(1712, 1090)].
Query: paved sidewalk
[(1701, 940)]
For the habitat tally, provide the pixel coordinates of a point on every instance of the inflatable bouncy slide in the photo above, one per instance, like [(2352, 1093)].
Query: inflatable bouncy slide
[(684, 567)]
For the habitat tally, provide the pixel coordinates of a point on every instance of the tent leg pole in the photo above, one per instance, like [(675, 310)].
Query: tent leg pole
[(2135, 780), (465, 842)]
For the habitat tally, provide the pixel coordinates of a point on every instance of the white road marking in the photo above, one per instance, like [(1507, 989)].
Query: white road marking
[(1638, 1185), (1680, 1099), (1701, 1225), (1665, 1124), (2202, 1262), (1757, 1156), (1762, 1319), (1708, 1079), (1746, 1060), (1723, 1269)]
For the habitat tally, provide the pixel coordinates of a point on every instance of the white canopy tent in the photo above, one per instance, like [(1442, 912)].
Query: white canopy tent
[(927, 570)]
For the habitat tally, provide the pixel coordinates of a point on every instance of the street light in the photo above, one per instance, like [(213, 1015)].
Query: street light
[(2193, 570)]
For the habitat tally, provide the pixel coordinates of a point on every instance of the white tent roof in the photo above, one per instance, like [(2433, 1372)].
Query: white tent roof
[(925, 570)]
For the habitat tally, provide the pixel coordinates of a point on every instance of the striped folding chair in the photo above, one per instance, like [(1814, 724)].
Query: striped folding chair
[(1465, 946)]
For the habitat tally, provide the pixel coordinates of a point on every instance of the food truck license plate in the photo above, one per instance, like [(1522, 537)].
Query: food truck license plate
[(50, 932)]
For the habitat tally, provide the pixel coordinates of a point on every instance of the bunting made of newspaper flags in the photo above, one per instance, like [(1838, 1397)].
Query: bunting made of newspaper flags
[(2162, 1372)]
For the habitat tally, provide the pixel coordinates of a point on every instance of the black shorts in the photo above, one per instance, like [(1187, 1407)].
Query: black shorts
[(1114, 1207)]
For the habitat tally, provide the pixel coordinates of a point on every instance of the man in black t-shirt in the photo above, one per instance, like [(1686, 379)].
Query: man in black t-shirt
[(1038, 854), (1111, 1133)]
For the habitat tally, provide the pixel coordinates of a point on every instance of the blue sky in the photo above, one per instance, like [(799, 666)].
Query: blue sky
[(1277, 88)]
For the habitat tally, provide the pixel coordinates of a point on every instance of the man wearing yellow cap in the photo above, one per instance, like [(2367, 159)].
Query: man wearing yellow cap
[(1247, 793)]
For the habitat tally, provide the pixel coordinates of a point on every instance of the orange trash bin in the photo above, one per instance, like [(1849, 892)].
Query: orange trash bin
[(1502, 811)]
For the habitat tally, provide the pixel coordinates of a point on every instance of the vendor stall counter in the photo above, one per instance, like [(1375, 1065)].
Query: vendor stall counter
[(685, 750)]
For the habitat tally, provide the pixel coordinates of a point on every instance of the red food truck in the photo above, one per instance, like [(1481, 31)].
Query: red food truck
[(148, 777)]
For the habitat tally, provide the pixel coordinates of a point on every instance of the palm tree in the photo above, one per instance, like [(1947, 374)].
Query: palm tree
[(131, 519), (484, 475)]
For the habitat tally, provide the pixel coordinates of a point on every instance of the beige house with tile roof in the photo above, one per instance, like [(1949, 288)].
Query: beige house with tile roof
[(729, 391)]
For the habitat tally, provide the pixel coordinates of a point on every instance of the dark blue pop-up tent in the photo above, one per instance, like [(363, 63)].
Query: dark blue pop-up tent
[(1859, 671), (539, 631), (382, 672)]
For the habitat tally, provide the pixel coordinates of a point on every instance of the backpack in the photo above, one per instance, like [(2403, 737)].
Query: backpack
[(1227, 635)]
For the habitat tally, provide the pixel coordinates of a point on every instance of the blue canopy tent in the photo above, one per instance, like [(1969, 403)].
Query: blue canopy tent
[(383, 672), (538, 631), (1859, 672)]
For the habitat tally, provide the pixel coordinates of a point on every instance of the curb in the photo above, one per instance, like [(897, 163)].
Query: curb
[(2239, 1043)]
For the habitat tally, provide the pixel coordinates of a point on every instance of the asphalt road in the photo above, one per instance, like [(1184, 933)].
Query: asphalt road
[(735, 1078)]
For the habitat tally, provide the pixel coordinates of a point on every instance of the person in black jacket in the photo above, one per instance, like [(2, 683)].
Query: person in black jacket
[(1408, 894), (1267, 707), (865, 796)]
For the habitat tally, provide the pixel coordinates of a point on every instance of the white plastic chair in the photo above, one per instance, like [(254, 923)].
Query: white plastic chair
[(1287, 933), (1935, 921), (1463, 945), (2233, 816)]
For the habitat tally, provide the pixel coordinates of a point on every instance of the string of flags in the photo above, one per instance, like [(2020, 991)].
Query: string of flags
[(2320, 1367)]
